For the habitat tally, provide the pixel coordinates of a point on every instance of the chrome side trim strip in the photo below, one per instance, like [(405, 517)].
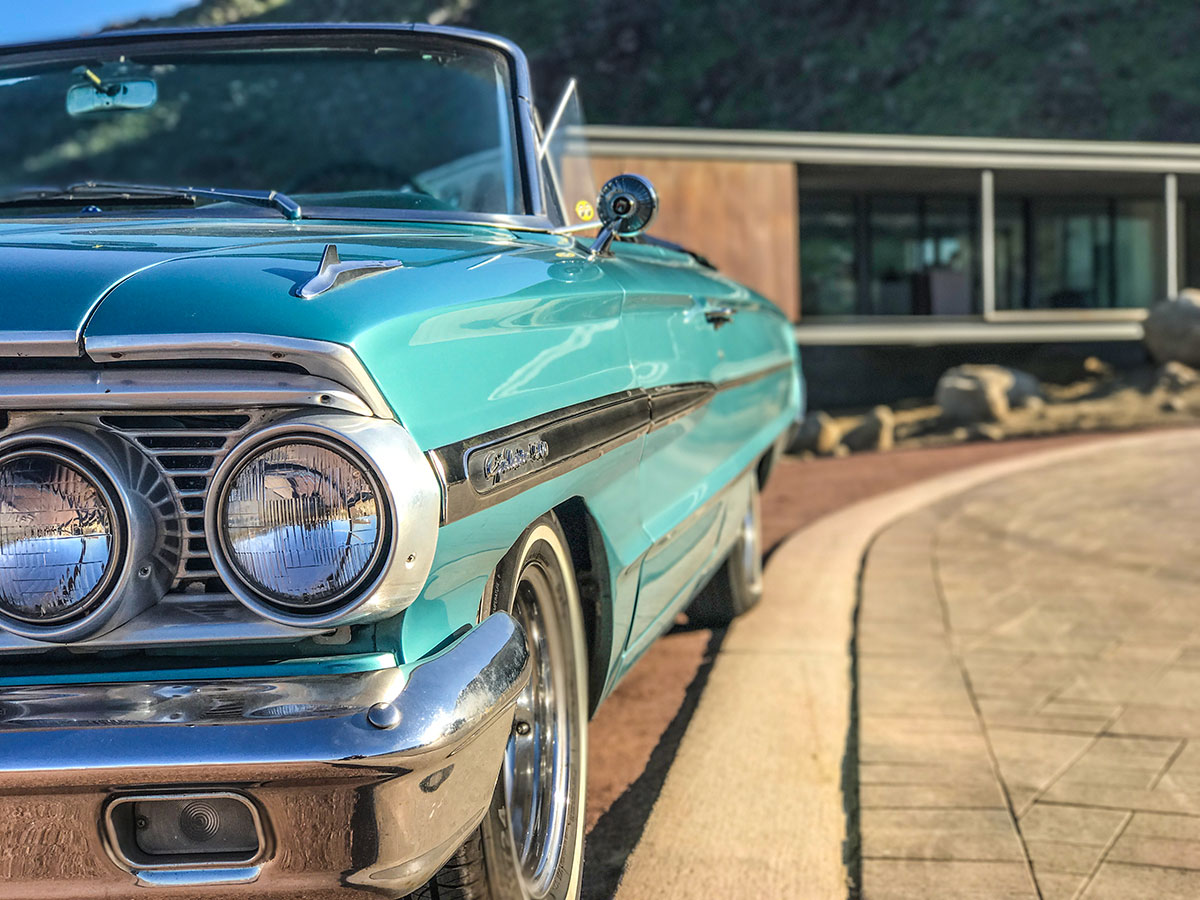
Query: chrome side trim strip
[(172, 389), (489, 468), (484, 470), (17, 344), (673, 402), (324, 359), (734, 383)]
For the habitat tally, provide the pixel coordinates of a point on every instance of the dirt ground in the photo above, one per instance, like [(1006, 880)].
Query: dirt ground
[(634, 734)]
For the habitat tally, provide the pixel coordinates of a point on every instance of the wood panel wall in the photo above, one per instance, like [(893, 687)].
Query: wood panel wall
[(744, 216)]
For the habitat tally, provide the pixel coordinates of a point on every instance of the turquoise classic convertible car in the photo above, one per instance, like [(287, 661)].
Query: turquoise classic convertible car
[(344, 467)]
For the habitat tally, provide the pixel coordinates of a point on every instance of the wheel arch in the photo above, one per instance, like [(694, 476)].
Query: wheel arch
[(590, 558)]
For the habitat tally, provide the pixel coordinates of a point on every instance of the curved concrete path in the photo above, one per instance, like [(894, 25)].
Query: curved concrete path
[(1029, 671), (754, 806)]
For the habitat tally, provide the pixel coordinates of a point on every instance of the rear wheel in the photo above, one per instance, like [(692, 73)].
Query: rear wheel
[(530, 844), (738, 584)]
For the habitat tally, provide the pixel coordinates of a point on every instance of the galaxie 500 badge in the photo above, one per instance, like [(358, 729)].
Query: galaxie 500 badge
[(490, 467)]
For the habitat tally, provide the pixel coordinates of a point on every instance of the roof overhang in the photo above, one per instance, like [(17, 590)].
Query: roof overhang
[(822, 148)]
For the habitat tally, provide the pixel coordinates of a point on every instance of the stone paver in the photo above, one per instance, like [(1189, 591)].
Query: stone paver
[(1029, 686)]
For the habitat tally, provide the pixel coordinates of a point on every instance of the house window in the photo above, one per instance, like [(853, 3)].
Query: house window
[(887, 254), (829, 225), (1079, 252)]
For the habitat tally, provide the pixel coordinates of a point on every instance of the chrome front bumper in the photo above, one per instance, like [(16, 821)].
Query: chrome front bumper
[(348, 808)]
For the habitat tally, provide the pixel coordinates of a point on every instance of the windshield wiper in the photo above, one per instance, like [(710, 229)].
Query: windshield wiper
[(93, 190)]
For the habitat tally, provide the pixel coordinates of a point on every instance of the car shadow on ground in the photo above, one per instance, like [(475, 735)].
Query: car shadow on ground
[(617, 832)]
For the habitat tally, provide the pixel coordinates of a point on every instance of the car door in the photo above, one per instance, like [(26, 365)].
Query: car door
[(755, 373), (675, 350)]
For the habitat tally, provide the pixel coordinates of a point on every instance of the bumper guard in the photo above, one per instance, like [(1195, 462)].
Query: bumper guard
[(365, 783)]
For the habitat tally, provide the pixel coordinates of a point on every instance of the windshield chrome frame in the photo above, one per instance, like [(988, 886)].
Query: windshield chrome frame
[(538, 217)]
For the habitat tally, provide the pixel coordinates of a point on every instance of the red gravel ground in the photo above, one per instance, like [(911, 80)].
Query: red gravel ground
[(630, 724)]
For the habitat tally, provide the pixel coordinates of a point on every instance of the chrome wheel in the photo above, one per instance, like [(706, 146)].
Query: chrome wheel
[(529, 845), (752, 557), (538, 759)]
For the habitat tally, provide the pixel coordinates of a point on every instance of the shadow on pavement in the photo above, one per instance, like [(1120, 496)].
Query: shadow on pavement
[(619, 830)]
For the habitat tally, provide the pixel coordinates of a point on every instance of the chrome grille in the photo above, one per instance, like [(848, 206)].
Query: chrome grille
[(187, 449)]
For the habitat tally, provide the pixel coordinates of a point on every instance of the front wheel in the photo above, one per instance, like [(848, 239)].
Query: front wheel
[(530, 844)]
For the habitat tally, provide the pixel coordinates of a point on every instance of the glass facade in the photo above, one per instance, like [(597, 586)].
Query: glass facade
[(1079, 253), (829, 258), (892, 254), (889, 254)]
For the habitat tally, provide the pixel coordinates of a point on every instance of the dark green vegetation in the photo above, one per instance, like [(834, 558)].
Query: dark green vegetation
[(1114, 69)]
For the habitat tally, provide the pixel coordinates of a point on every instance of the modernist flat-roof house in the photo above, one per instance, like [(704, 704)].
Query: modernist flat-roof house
[(900, 240)]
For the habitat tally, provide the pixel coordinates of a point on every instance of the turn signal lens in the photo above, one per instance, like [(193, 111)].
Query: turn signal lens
[(56, 539), (302, 524)]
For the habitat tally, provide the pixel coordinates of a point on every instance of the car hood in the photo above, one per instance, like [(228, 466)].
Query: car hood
[(75, 280)]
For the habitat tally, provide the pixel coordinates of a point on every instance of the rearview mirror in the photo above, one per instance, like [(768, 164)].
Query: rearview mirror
[(626, 208), (87, 98)]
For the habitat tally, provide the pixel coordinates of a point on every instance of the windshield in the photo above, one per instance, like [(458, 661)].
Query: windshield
[(423, 123)]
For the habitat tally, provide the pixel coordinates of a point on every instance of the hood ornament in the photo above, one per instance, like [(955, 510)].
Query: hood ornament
[(332, 272)]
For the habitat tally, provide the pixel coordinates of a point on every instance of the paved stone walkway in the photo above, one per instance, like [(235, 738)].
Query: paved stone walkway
[(1029, 686)]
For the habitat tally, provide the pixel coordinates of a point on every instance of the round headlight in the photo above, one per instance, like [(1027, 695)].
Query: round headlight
[(302, 524), (58, 536)]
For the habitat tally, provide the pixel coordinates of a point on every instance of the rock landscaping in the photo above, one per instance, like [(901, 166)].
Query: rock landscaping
[(995, 403)]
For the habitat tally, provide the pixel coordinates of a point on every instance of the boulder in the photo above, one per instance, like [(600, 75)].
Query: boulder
[(874, 431), (985, 431), (1095, 367), (1174, 404), (1172, 329), (818, 433), (1175, 376), (970, 393)]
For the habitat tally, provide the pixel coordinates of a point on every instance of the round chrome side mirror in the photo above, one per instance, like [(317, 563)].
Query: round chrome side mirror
[(626, 208), (627, 204)]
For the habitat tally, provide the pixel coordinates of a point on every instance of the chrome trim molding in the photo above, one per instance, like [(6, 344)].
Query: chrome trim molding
[(673, 402), (735, 383), (193, 878), (179, 620), (172, 389), (300, 748), (324, 359), (574, 436), (410, 497), (487, 469), (21, 344)]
